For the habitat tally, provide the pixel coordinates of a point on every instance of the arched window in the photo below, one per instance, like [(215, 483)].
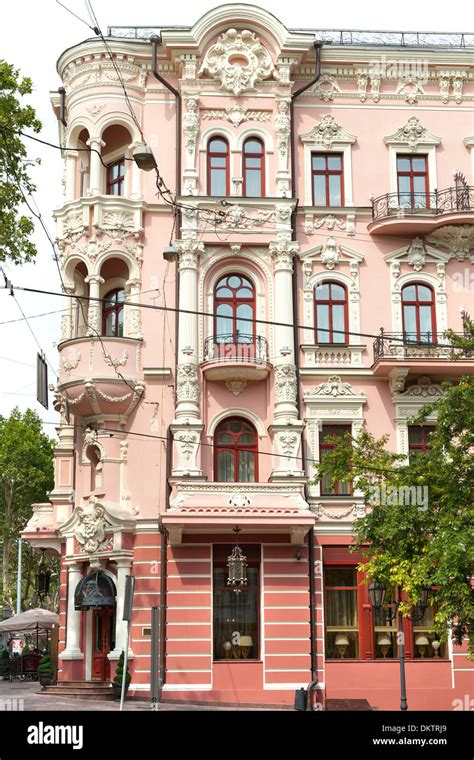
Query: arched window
[(331, 314), (112, 313), (218, 166), (235, 452), (234, 304), (253, 168), (419, 319)]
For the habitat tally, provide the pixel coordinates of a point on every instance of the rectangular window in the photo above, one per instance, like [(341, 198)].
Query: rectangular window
[(341, 613), (385, 629), (412, 182), (236, 615), (116, 177), (328, 488), (425, 642), (327, 177), (419, 438)]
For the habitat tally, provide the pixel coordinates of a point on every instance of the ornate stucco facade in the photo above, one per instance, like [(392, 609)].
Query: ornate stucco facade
[(144, 394)]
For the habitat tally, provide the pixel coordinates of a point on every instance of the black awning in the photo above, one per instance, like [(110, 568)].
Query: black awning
[(95, 590)]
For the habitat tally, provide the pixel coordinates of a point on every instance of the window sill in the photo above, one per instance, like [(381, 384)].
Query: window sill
[(393, 660), (237, 662)]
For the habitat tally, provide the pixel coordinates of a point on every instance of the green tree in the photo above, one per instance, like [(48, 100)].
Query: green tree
[(26, 476), (15, 227), (420, 543)]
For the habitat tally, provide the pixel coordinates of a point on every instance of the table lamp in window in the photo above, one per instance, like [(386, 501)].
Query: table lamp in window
[(341, 642), (245, 644), (436, 645), (421, 644), (384, 643)]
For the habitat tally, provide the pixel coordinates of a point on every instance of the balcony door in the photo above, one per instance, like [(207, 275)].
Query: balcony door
[(412, 179), (234, 308), (419, 322)]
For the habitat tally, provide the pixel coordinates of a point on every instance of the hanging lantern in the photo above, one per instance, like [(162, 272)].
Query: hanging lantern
[(237, 568), (43, 575)]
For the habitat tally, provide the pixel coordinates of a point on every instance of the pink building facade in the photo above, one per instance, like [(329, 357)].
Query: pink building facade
[(319, 247)]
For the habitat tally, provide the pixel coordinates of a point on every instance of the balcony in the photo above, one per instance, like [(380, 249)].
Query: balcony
[(427, 353), (236, 357), (100, 378), (421, 213), (331, 356), (254, 506)]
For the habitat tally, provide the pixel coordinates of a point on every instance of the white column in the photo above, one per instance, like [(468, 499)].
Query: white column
[(96, 175), (187, 427), (94, 310), (286, 428), (73, 620), (187, 391), (135, 185), (285, 371), (71, 175), (67, 319), (133, 321), (123, 569)]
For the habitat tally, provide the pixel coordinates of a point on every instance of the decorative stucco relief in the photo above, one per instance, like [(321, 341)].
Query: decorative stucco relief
[(238, 60)]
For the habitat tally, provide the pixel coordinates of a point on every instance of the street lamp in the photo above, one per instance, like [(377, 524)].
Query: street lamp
[(377, 591)]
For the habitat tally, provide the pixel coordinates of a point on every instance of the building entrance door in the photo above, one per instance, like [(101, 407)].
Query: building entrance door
[(103, 642)]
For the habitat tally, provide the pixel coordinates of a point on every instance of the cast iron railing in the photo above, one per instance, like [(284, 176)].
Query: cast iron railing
[(406, 345), (237, 347), (447, 201)]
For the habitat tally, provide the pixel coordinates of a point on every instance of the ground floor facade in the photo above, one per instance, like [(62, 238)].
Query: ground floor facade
[(258, 646)]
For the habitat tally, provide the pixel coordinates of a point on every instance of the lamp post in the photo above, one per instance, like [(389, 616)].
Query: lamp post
[(377, 593)]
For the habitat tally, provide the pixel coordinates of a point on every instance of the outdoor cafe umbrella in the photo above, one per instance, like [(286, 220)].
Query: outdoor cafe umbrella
[(31, 620)]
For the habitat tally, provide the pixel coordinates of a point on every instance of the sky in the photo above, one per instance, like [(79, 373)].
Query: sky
[(32, 36)]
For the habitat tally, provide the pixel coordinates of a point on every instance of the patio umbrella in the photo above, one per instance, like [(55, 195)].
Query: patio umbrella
[(31, 620)]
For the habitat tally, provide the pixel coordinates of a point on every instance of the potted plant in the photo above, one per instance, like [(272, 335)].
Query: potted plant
[(117, 682), (45, 671), (4, 664)]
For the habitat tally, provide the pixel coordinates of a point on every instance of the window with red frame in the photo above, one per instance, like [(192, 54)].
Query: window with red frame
[(328, 179), (234, 304), (328, 488), (235, 452), (419, 313), (331, 313), (253, 168), (113, 313), (116, 177), (354, 630), (218, 182), (419, 438), (236, 616), (412, 181)]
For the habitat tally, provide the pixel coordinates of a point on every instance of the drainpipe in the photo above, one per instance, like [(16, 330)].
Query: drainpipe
[(62, 106), (312, 586), (155, 41)]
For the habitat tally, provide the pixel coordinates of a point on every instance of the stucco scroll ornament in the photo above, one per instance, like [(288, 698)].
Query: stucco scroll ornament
[(334, 387), (410, 88), (285, 382), (412, 132), (238, 60), (326, 131), (424, 388), (326, 87), (191, 124), (239, 500), (282, 127), (90, 527), (70, 364), (187, 388), (330, 253)]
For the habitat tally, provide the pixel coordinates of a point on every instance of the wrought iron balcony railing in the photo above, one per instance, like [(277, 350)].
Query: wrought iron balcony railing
[(406, 345), (237, 347), (449, 201)]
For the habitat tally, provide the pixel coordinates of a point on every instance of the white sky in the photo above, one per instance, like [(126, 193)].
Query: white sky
[(33, 34)]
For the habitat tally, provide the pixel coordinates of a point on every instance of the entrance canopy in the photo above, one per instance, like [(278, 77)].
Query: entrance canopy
[(31, 620), (95, 590)]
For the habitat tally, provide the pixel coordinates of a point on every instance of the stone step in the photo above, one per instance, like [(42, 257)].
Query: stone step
[(80, 690)]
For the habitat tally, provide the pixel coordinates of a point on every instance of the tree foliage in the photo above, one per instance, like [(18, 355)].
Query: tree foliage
[(420, 543), (26, 476), (15, 227)]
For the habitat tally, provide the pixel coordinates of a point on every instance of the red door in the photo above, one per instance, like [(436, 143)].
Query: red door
[(103, 641)]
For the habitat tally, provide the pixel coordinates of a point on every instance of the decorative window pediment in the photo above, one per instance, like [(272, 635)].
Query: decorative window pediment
[(408, 402), (417, 254), (328, 134), (411, 136)]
